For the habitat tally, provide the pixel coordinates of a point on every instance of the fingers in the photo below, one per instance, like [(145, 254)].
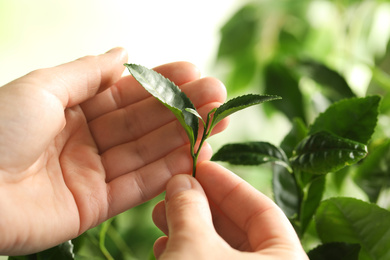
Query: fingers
[(159, 246), (133, 188), (137, 119), (33, 105), (128, 91), (181, 207), (188, 218), (147, 131), (246, 207), (145, 150), (76, 81)]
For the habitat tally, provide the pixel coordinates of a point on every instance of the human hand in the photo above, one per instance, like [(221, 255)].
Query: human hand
[(79, 144), (242, 224)]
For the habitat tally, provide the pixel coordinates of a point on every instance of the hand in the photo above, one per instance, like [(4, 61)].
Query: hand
[(79, 144), (244, 224)]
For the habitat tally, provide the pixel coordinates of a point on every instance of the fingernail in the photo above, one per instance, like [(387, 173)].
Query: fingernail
[(178, 184)]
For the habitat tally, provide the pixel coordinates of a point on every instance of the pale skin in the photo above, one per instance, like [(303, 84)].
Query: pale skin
[(220, 216), (80, 144)]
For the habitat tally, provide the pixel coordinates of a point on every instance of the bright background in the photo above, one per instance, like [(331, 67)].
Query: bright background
[(44, 33), (351, 37)]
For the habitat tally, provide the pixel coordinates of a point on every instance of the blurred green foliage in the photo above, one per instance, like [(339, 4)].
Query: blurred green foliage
[(319, 56), (312, 53)]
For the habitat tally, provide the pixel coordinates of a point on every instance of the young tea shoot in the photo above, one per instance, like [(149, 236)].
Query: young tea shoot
[(181, 106)]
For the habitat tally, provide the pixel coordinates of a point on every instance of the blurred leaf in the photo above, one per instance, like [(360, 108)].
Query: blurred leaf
[(297, 133), (380, 84), (239, 32), (338, 179), (63, 251), (289, 44), (243, 71), (102, 238), (353, 221), (335, 86), (373, 175), (280, 81), (237, 104), (286, 193), (324, 152), (353, 118), (252, 153), (87, 245), (311, 201), (335, 251), (170, 95)]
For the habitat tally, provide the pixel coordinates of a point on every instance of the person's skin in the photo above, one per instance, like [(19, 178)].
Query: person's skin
[(79, 144), (243, 223)]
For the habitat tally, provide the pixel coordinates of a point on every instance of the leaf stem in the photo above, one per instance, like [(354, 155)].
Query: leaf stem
[(102, 235), (206, 133)]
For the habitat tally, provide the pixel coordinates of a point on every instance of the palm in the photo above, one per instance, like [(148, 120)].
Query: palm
[(74, 169)]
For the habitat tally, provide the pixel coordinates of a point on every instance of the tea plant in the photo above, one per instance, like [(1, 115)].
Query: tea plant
[(338, 147), (181, 106), (304, 51), (337, 138)]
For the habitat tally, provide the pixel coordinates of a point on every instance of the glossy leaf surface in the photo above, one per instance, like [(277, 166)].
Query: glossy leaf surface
[(335, 251), (170, 95), (239, 103), (353, 221), (279, 80), (324, 152), (335, 87), (251, 153), (353, 118)]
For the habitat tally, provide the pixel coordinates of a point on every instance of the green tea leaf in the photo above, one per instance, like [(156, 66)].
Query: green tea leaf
[(194, 112), (239, 32), (353, 221), (335, 251), (324, 152), (237, 104), (279, 80), (285, 189), (243, 71), (311, 200), (373, 175), (353, 118), (335, 86), (251, 153), (297, 133), (170, 95)]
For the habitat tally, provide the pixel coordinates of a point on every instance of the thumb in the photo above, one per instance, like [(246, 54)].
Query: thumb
[(188, 217), (33, 105)]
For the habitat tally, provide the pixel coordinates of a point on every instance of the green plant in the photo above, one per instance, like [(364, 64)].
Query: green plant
[(175, 100), (312, 53), (337, 138), (181, 106), (331, 171)]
